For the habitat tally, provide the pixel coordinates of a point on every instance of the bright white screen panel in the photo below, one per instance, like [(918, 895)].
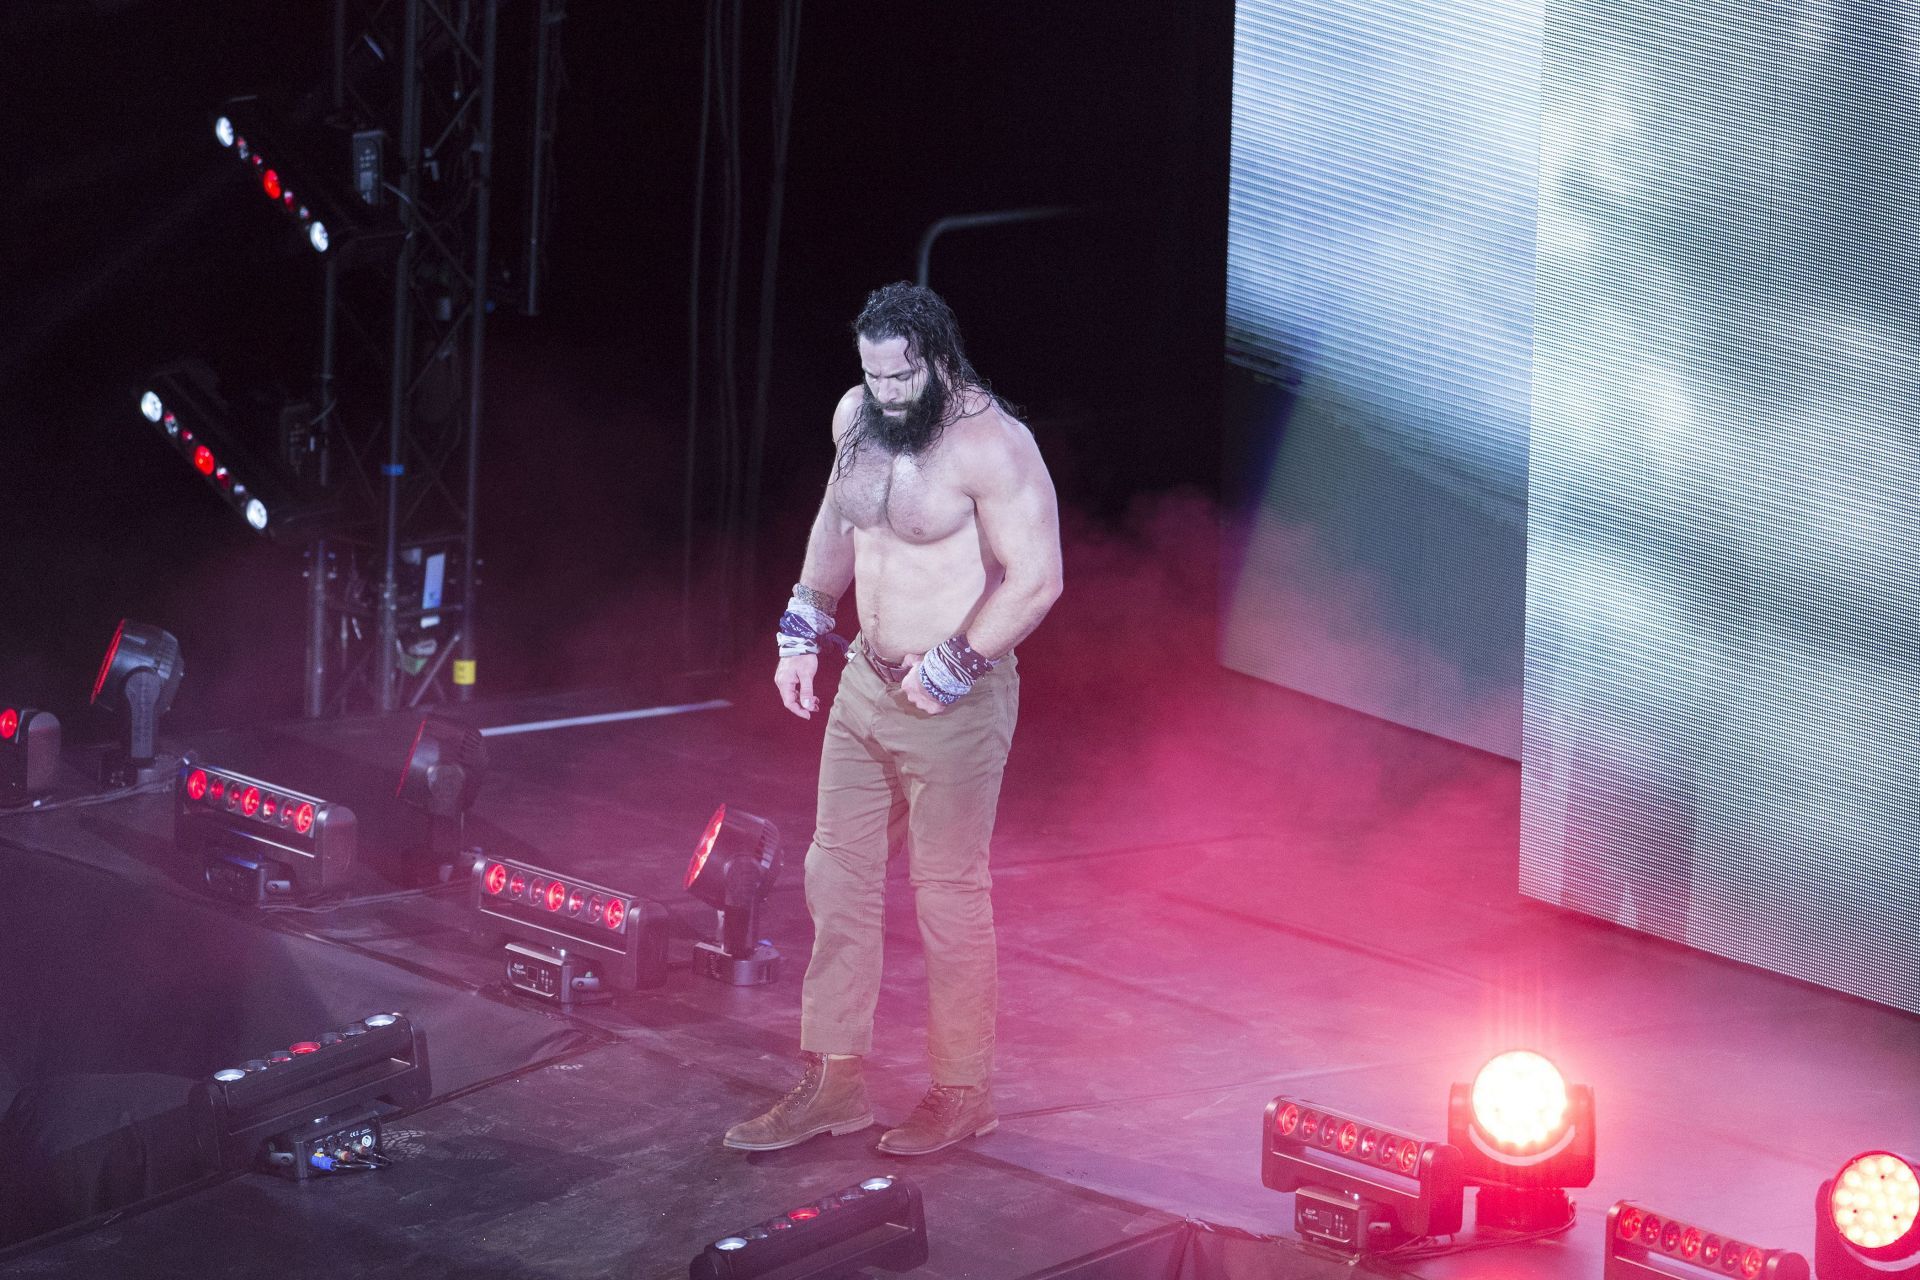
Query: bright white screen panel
[(1379, 290), (1722, 719)]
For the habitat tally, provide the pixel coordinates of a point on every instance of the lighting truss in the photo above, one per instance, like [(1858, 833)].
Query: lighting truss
[(259, 841), (1359, 1186), (1645, 1245), (876, 1223), (573, 939), (272, 1103)]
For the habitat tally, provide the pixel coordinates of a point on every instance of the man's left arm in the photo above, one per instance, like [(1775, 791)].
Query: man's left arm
[(1019, 521)]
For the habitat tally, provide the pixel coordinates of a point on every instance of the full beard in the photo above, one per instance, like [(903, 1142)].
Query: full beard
[(913, 431)]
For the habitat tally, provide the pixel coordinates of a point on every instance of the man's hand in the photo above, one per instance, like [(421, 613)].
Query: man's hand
[(916, 688), (794, 678)]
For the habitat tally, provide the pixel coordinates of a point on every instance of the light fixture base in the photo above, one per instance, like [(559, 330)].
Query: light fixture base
[(1520, 1208), (756, 970), (117, 771)]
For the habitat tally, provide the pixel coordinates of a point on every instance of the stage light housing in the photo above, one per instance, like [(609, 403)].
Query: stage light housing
[(292, 165), (138, 679), (1867, 1219), (445, 766), (1526, 1136), (259, 841), (262, 1111), (732, 870), (1359, 1186), (573, 941), (193, 420), (1643, 1244), (29, 753), (878, 1223)]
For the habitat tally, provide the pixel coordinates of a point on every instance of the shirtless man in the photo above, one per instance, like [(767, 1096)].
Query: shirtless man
[(940, 505)]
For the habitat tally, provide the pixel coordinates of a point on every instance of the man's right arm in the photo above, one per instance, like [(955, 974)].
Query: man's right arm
[(825, 575)]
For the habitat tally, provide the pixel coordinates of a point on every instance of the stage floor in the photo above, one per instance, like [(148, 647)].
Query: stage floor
[(1209, 891)]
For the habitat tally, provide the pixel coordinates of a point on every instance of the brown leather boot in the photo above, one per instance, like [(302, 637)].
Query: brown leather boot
[(831, 1097), (949, 1113)]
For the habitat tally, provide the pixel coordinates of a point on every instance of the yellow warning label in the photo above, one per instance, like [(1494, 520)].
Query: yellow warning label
[(463, 670)]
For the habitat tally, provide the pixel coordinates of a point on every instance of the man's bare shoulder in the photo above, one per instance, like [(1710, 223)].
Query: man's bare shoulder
[(990, 444), (846, 411)]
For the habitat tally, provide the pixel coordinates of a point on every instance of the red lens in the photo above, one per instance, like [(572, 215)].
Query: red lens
[(216, 787), (203, 460), (705, 847), (303, 819), (1349, 1137), (1628, 1225), (1287, 1120), (807, 1214), (9, 722), (1309, 1125), (496, 878), (1750, 1262), (1650, 1229), (267, 807), (575, 901), (1710, 1250), (250, 802), (517, 885), (1389, 1152), (616, 913), (106, 663), (197, 785), (556, 894), (1670, 1238), (1409, 1156), (305, 1046), (1690, 1243), (270, 182)]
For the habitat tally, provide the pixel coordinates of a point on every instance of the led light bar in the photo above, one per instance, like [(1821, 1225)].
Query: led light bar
[(377, 1065), (260, 840), (1417, 1181), (1645, 1245), (29, 753), (193, 425), (583, 936), (288, 161), (876, 1223)]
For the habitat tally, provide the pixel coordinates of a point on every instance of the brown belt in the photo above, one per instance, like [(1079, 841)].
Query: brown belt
[(891, 672)]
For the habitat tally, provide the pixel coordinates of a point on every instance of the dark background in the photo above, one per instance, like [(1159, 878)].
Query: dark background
[(130, 240)]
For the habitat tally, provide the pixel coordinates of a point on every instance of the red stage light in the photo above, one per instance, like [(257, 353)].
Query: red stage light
[(250, 801), (197, 785), (575, 901), (496, 878), (1288, 1120), (1670, 1238), (9, 722), (270, 183), (1710, 1250), (1409, 1156), (1628, 1225), (1690, 1243), (267, 807), (556, 894), (217, 787), (1520, 1101), (203, 460), (517, 885), (1650, 1229), (616, 914), (807, 1214), (305, 1046), (1751, 1261), (303, 818), (1349, 1137)]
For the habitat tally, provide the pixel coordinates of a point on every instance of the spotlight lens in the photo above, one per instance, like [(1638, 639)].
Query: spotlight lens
[(616, 914), (1710, 1250), (556, 895), (1349, 1137), (227, 1075), (196, 781), (203, 460), (1409, 1155), (270, 183), (1690, 1243), (517, 885), (1628, 1225), (496, 878), (150, 407), (383, 1019), (250, 802), (10, 725), (1751, 1261), (876, 1184), (807, 1214), (257, 514), (305, 1047), (730, 1244), (1520, 1100), (1287, 1120), (1875, 1200), (317, 236), (223, 131), (575, 901), (303, 819)]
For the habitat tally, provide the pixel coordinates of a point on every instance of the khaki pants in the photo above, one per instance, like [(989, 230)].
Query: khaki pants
[(888, 770)]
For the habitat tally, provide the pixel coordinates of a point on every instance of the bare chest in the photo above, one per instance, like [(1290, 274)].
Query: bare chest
[(884, 493)]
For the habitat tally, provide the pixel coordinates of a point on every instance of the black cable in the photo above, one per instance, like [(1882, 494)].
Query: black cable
[(108, 797), (366, 900), (1416, 1250)]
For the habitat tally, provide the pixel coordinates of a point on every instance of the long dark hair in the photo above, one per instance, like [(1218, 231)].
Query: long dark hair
[(923, 318)]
